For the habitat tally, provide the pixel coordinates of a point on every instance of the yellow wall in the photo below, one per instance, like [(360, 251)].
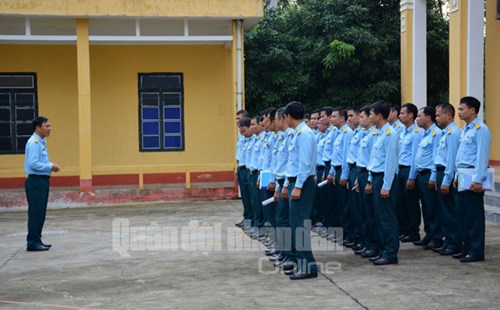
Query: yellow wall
[(208, 114), (492, 78), (458, 54), (170, 8), (407, 58), (55, 67)]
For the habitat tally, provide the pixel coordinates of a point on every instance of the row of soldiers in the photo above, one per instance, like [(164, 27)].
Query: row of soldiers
[(386, 167)]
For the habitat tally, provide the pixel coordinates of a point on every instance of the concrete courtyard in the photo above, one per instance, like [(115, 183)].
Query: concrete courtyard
[(191, 256)]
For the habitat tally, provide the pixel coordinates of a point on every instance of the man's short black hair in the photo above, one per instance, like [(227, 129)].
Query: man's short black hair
[(366, 109), (307, 116), (280, 113), (429, 111), (396, 107), (271, 113), (342, 112), (354, 108), (327, 109), (315, 111), (447, 108), (411, 108), (243, 113), (295, 109), (245, 122), (38, 121), (471, 102), (381, 107)]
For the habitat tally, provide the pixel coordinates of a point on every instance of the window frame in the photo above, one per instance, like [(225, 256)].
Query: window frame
[(12, 92), (161, 116)]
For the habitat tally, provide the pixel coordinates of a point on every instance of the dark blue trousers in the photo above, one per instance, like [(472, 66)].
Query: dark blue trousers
[(356, 216), (470, 207), (371, 233), (300, 224), (448, 215), (387, 219), (432, 222), (408, 206), (245, 193), (283, 231), (37, 194)]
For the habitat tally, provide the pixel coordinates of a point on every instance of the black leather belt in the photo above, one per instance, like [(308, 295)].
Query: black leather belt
[(362, 170), (328, 163), (39, 176), (253, 172), (281, 182), (351, 166), (377, 174), (440, 168), (320, 167), (424, 172), (337, 168), (292, 179), (242, 167), (403, 167)]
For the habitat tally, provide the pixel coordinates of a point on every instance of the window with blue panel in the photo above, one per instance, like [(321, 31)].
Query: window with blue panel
[(161, 117), (18, 107)]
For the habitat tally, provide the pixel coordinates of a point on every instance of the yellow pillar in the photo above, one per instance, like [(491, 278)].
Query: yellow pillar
[(406, 52), (84, 111), (458, 52), (492, 76)]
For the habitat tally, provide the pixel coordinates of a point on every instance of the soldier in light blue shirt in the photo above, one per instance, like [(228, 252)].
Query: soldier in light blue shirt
[(367, 211), (319, 202), (426, 179), (39, 168), (253, 152), (240, 151), (246, 133), (407, 197), (338, 174), (394, 120), (445, 172), (299, 189), (473, 152), (382, 167)]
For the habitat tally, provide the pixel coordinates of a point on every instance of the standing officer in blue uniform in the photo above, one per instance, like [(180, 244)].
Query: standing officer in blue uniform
[(426, 178), (370, 229), (240, 115), (299, 189), (39, 168), (246, 133), (252, 156), (473, 152), (382, 166), (319, 203), (265, 163), (283, 236), (409, 216), (394, 120), (445, 172), (339, 173)]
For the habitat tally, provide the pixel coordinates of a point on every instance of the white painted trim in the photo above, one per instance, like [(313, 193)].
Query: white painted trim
[(36, 38), (475, 52), (403, 2), (186, 28), (457, 7), (406, 8), (159, 38), (419, 61), (137, 28), (27, 26), (239, 70)]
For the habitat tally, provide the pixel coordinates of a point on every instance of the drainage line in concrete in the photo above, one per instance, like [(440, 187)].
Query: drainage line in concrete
[(345, 292)]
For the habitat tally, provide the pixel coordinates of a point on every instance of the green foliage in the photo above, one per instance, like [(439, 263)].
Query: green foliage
[(336, 52)]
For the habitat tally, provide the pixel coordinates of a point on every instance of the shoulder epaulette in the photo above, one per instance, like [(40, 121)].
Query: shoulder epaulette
[(334, 128), (415, 129), (433, 132), (289, 133), (345, 129), (387, 132), (374, 132), (449, 130), (298, 132), (398, 125), (261, 138), (36, 140), (279, 137), (478, 125)]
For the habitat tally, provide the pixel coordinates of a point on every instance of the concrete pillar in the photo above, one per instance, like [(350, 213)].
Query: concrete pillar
[(84, 108), (492, 76), (414, 52)]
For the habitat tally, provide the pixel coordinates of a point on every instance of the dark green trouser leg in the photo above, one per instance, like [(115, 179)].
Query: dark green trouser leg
[(37, 194), (388, 221), (300, 224)]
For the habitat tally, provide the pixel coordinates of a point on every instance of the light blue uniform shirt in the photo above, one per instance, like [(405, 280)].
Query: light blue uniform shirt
[(399, 127), (243, 156), (266, 154), (384, 156), (426, 150), (331, 134), (353, 152), (239, 147), (447, 151), (365, 146), (255, 159), (282, 154), (249, 150), (320, 139), (36, 160), (274, 156), (340, 149), (408, 143), (474, 149), (301, 155)]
